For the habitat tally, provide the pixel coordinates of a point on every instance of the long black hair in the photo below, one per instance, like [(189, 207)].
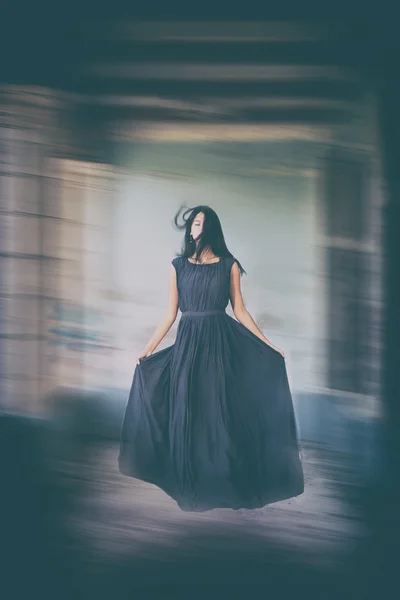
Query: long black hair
[(211, 237)]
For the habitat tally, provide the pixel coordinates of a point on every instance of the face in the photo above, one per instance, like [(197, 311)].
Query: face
[(197, 225)]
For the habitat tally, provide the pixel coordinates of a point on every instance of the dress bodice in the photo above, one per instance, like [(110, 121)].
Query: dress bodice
[(203, 287)]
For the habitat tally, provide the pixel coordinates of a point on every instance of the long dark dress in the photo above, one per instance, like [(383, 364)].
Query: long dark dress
[(210, 419)]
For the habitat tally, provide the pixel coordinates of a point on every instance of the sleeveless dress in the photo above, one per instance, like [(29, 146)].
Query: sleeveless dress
[(210, 419)]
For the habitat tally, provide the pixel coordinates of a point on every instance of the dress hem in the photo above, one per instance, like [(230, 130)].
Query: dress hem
[(200, 509)]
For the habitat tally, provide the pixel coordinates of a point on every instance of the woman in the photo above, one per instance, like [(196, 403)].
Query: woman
[(210, 419)]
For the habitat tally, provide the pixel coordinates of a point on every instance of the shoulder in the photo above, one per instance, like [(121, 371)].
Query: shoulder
[(177, 262), (230, 261)]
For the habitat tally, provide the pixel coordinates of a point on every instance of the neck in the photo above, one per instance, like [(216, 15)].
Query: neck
[(207, 254)]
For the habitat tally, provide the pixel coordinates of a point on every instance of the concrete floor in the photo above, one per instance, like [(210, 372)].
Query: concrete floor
[(131, 535), (73, 527)]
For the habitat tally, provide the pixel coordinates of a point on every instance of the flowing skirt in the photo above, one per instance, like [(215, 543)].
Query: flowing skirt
[(210, 420)]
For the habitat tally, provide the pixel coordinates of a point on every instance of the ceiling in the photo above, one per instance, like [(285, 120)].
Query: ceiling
[(245, 72)]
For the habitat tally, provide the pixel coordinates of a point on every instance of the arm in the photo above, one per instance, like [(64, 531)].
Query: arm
[(239, 309), (168, 319)]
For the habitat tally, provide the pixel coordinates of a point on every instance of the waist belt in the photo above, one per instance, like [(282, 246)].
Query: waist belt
[(202, 313)]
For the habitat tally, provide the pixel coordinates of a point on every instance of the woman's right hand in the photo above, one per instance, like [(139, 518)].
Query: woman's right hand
[(141, 355)]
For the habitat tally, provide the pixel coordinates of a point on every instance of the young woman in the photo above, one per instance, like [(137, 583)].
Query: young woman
[(210, 419)]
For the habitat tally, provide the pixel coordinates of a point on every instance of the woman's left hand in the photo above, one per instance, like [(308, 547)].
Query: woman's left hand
[(281, 352)]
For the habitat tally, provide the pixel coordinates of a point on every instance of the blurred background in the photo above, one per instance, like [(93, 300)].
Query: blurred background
[(288, 127)]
